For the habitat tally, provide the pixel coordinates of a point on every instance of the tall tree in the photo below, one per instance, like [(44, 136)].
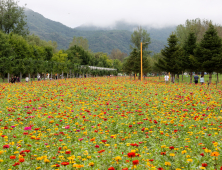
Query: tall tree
[(209, 52), (132, 64), (197, 26), (5, 53), (12, 18), (153, 60), (186, 59), (117, 54), (138, 36), (170, 61), (80, 41)]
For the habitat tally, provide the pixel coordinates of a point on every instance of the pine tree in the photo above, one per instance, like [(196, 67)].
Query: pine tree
[(186, 59), (208, 53), (170, 61)]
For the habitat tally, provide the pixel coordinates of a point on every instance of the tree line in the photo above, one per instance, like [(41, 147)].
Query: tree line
[(193, 47)]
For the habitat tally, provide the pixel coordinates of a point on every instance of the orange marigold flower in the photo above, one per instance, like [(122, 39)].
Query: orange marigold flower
[(215, 153)]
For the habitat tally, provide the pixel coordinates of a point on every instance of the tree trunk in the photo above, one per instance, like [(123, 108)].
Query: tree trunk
[(20, 76), (210, 77), (191, 77), (202, 73), (173, 78), (30, 77), (134, 76), (8, 77), (217, 78), (182, 76)]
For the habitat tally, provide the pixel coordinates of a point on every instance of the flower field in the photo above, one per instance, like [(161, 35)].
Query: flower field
[(110, 123)]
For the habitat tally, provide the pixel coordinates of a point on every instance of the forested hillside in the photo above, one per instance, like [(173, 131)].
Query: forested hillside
[(100, 39)]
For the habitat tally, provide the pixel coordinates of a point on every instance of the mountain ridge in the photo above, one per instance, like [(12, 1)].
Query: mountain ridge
[(99, 40)]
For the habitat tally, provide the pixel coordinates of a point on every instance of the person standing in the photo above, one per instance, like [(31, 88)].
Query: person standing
[(38, 77), (27, 79), (202, 80), (166, 78), (18, 79), (196, 77)]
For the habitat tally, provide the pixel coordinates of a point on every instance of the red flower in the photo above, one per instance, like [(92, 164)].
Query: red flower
[(130, 126), (57, 165), (134, 144), (97, 146), (135, 162), (131, 154), (202, 154), (171, 147), (101, 151), (17, 163), (125, 169), (104, 141), (160, 168), (111, 168), (204, 164), (6, 146), (27, 151), (21, 159), (12, 157), (163, 153), (65, 163), (68, 152), (151, 160)]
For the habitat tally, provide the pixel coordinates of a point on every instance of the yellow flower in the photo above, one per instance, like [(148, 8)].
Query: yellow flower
[(46, 160), (91, 164), (1, 160), (184, 151), (172, 154), (85, 153), (167, 163), (118, 158), (189, 160)]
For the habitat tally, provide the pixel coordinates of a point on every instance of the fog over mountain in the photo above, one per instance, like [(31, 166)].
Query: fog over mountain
[(101, 39), (103, 13)]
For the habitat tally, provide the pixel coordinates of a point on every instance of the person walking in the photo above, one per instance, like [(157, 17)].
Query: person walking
[(202, 80), (196, 77)]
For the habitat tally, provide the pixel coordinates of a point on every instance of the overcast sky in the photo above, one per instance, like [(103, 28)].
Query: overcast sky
[(157, 13)]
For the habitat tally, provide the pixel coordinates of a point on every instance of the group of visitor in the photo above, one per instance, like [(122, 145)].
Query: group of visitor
[(196, 77), (14, 79)]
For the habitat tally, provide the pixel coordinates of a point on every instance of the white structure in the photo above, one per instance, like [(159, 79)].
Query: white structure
[(101, 68)]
